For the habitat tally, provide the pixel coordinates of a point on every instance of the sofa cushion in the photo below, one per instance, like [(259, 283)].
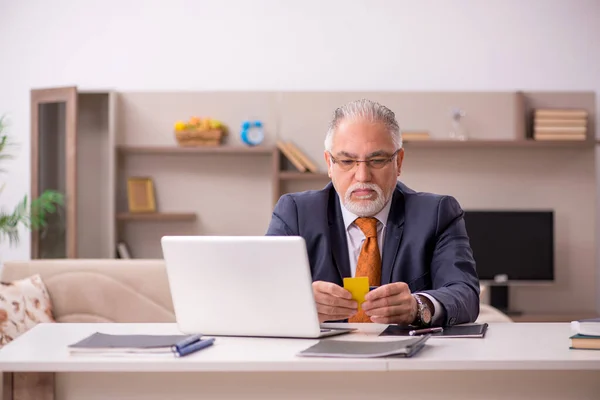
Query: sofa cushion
[(24, 303)]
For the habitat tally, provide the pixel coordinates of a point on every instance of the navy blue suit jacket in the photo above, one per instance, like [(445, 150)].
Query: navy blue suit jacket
[(426, 244)]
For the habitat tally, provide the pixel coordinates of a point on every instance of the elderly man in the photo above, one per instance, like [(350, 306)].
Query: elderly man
[(412, 246)]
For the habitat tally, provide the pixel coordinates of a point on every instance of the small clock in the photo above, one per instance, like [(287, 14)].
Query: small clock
[(252, 133)]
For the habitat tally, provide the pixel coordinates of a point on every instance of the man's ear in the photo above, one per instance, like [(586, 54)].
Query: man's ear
[(328, 161), (399, 159)]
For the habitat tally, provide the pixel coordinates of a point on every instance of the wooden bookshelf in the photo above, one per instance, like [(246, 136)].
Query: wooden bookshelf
[(516, 143), (158, 216), (301, 176), (232, 188), (166, 150)]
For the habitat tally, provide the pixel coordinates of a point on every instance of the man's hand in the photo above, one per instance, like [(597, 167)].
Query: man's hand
[(391, 304), (333, 301)]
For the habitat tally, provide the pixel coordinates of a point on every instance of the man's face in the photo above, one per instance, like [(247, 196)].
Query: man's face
[(364, 189)]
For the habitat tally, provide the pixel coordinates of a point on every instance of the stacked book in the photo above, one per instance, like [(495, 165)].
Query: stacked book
[(559, 124), (585, 334), (298, 159), (411, 136)]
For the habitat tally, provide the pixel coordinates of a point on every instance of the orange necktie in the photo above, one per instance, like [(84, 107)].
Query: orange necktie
[(369, 260)]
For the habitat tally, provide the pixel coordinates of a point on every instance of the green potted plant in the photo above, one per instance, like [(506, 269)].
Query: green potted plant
[(28, 213)]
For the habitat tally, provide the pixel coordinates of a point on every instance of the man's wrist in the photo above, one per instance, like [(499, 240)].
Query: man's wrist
[(425, 310), (428, 303)]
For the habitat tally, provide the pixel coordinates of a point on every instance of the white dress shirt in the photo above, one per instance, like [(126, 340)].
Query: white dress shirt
[(356, 238)]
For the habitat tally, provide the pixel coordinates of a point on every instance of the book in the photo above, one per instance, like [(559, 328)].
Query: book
[(301, 157), (575, 130), (415, 135), (290, 156), (564, 123), (585, 342), (588, 327), (559, 136), (557, 113), (110, 344), (123, 250), (455, 331), (362, 349)]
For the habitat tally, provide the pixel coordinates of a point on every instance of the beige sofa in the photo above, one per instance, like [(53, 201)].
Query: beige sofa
[(101, 290), (107, 290)]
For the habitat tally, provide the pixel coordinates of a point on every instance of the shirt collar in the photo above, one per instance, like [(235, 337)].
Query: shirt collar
[(381, 216)]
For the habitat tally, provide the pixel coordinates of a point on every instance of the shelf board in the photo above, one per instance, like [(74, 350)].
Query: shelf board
[(552, 317), (235, 150), (157, 216), (437, 143), (301, 176)]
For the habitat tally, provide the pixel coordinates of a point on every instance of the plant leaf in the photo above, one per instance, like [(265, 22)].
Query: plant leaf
[(32, 215)]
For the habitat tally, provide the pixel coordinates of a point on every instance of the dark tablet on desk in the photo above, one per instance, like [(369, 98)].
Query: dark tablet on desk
[(456, 331)]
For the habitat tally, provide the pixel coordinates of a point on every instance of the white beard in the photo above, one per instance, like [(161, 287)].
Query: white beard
[(366, 207)]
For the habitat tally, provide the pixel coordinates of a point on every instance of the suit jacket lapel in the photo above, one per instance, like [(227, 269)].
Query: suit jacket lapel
[(337, 233), (393, 236)]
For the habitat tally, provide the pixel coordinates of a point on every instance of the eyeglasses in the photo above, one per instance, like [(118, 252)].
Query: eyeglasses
[(346, 164)]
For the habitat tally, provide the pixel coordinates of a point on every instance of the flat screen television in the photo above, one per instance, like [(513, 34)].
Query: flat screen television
[(511, 247)]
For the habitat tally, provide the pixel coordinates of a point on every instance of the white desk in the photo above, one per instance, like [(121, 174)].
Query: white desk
[(513, 361)]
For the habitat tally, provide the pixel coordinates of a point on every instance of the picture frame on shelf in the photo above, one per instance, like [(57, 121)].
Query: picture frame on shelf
[(140, 195)]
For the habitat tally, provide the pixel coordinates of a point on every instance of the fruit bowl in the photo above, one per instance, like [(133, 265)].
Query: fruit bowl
[(199, 132)]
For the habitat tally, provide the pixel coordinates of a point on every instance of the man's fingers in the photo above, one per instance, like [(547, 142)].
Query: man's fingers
[(332, 289), (329, 300), (335, 312), (391, 289), (342, 309), (398, 300), (335, 317), (339, 291), (333, 302), (392, 311)]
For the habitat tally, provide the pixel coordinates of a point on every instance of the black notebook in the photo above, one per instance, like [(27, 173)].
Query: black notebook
[(455, 331), (357, 349)]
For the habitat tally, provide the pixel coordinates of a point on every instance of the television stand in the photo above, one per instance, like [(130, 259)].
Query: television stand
[(511, 313), (499, 299)]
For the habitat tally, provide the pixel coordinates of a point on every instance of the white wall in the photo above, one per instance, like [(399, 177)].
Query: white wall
[(287, 45)]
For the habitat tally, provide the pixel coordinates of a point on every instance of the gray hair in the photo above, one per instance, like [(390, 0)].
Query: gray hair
[(367, 109)]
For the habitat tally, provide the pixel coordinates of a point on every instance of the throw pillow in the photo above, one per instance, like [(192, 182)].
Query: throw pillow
[(23, 304)]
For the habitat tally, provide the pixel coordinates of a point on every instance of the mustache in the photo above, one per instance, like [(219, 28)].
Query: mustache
[(360, 186)]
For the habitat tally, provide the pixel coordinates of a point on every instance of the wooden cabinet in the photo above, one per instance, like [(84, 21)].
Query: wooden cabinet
[(54, 167), (72, 144)]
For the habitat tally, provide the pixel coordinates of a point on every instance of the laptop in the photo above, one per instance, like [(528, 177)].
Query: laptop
[(258, 286)]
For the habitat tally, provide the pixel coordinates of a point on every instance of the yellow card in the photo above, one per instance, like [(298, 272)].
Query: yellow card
[(359, 287)]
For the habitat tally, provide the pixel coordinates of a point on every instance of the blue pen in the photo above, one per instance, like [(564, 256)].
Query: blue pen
[(194, 347), (186, 342)]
